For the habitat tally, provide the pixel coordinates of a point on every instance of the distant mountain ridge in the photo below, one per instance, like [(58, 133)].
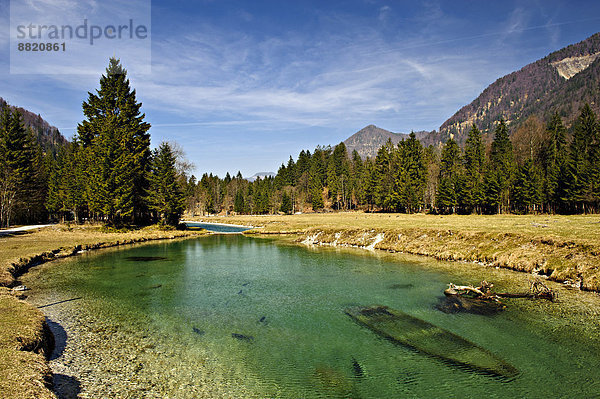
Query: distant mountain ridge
[(48, 136), (369, 139), (560, 82), (261, 175)]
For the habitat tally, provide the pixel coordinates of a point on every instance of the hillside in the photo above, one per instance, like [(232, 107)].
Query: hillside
[(48, 136), (370, 138), (560, 82)]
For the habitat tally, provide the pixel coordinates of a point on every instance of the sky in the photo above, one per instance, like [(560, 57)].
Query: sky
[(242, 85)]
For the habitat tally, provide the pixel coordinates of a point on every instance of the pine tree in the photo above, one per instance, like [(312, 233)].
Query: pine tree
[(384, 176), (492, 190), (55, 196), (165, 195), (357, 184), (528, 187), (502, 169), (370, 179), (413, 180), (116, 142), (555, 160), (450, 178), (579, 173), (291, 173), (17, 167), (316, 187), (474, 161), (239, 206), (286, 204)]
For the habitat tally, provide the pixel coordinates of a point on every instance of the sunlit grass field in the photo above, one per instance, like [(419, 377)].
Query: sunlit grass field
[(580, 228)]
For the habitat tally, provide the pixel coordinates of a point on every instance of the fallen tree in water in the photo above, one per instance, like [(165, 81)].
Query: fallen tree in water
[(483, 300)]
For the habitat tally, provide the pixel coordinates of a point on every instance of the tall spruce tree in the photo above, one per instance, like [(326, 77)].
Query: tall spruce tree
[(165, 194), (384, 176), (450, 179), (239, 205), (528, 187), (17, 168), (474, 161), (579, 173), (316, 188), (116, 142), (555, 161), (413, 183), (501, 170), (286, 203)]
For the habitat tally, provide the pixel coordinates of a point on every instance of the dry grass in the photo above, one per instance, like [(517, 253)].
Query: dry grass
[(24, 372), (580, 228), (565, 248), (24, 338)]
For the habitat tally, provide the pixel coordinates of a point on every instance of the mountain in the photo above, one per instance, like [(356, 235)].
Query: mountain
[(370, 138), (560, 82), (48, 136), (261, 175)]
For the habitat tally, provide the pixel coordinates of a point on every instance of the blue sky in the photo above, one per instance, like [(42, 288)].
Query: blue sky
[(241, 85)]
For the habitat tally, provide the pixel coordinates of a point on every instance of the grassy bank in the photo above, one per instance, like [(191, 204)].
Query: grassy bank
[(564, 248), (24, 338)]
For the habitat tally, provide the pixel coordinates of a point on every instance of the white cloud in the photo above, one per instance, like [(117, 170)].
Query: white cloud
[(384, 13), (294, 80)]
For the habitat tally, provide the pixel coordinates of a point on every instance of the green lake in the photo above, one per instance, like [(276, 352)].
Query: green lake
[(234, 316)]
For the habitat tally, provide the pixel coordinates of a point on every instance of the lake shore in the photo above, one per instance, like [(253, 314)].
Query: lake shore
[(25, 339), (564, 249), (558, 247)]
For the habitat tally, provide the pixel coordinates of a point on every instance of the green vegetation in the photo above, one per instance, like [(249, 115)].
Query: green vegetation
[(536, 89), (108, 172), (22, 172), (165, 195), (534, 171)]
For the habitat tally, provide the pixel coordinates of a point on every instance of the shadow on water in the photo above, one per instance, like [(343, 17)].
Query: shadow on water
[(59, 302), (60, 338), (66, 386)]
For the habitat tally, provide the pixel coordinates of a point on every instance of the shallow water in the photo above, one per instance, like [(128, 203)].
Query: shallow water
[(262, 319)]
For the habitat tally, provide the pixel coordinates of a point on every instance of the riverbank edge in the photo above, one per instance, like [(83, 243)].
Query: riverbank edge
[(566, 262), (24, 359)]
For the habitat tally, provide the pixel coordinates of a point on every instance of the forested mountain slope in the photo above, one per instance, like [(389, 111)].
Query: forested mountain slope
[(561, 82), (49, 137)]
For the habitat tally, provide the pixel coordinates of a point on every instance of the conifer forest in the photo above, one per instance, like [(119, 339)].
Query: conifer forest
[(108, 172)]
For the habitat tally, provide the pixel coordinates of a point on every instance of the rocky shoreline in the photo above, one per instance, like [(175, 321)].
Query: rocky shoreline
[(26, 339), (104, 358)]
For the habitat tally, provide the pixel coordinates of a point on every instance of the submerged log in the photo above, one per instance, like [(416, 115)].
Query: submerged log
[(422, 336), (457, 304), (483, 300)]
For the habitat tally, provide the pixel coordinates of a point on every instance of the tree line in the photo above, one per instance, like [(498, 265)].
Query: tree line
[(540, 168), (107, 173)]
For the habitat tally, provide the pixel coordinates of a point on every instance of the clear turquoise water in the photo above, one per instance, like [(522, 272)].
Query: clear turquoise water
[(291, 301)]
